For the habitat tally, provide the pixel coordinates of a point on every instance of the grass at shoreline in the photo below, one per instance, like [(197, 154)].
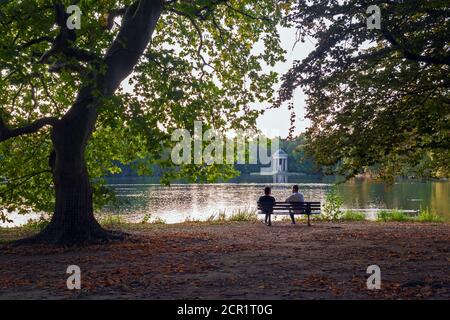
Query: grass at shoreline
[(353, 216), (425, 215), (115, 222)]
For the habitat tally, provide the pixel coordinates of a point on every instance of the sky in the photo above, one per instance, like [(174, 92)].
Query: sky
[(276, 122)]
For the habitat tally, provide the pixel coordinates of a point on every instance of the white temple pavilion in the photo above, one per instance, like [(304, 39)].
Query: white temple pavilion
[(280, 161)]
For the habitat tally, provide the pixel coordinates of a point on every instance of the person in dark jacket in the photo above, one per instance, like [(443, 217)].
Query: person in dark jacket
[(267, 202)]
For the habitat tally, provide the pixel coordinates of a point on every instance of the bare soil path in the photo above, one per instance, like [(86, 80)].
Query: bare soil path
[(240, 260)]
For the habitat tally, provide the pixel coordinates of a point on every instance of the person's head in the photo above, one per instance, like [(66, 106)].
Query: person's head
[(295, 188), (267, 191)]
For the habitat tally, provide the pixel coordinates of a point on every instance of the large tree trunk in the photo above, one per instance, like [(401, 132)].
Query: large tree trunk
[(73, 221)]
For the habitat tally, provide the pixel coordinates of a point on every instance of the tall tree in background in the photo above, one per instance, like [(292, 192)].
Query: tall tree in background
[(64, 113), (375, 97)]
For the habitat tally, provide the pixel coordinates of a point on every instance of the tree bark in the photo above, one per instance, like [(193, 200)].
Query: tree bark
[(73, 221)]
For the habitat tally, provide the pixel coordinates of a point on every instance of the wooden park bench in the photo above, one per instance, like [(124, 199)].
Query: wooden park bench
[(297, 208)]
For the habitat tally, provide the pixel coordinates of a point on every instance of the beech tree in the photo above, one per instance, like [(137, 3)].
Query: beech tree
[(377, 98), (75, 102)]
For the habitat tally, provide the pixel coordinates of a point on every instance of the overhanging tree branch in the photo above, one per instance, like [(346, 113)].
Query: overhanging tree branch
[(6, 133), (246, 14), (65, 39), (200, 12), (138, 25), (411, 55), (35, 41), (200, 36)]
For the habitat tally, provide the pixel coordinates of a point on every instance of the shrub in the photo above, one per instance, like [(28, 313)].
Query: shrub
[(426, 215), (353, 216), (400, 216), (382, 216), (393, 215), (146, 218), (332, 207), (111, 221), (158, 220)]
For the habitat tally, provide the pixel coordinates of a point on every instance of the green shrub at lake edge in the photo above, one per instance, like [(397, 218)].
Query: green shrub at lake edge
[(331, 210), (393, 215), (426, 215), (353, 216), (158, 220), (111, 221)]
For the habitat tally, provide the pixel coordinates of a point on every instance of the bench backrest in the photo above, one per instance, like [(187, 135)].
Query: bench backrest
[(306, 207)]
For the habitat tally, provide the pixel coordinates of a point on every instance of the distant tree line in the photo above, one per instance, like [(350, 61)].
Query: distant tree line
[(297, 162)]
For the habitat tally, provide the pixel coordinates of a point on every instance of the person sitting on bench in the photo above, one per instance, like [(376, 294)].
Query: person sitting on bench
[(295, 197), (267, 203)]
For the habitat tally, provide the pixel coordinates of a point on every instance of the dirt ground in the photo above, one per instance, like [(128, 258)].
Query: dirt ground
[(239, 260)]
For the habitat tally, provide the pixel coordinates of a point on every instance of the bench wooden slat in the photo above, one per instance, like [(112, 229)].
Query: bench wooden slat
[(298, 214), (294, 202), (287, 208), (288, 204), (291, 205)]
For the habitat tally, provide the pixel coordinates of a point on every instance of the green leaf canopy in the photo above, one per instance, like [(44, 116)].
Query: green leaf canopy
[(377, 98), (201, 64)]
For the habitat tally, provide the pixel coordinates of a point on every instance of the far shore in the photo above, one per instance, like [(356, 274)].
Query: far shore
[(238, 260)]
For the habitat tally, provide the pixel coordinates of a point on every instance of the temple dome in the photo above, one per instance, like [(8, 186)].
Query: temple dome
[(280, 154)]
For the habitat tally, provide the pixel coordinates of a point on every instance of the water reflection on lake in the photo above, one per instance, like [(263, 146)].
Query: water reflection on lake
[(179, 202)]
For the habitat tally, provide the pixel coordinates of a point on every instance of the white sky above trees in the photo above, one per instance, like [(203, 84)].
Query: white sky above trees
[(279, 119)]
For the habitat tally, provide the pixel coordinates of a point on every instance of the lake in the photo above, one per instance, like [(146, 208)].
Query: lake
[(143, 196)]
